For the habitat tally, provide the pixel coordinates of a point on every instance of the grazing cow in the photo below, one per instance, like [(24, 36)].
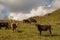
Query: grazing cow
[(33, 20), (44, 28), (30, 20), (49, 14), (26, 21), (14, 26), (4, 24)]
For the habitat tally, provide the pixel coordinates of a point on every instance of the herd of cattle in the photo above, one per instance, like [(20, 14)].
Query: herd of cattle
[(39, 27), (6, 25), (30, 20)]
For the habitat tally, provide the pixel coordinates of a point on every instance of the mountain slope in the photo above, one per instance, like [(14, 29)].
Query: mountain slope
[(51, 18)]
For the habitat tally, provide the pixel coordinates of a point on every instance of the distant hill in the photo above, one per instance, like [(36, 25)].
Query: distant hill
[(51, 18)]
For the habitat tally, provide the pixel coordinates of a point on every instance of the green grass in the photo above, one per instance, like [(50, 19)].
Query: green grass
[(26, 31), (29, 32)]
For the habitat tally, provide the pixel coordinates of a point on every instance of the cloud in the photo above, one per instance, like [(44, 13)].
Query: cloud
[(23, 9), (1, 8), (24, 5), (55, 4), (3, 12), (39, 11)]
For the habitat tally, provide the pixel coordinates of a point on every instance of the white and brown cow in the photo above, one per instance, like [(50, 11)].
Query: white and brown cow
[(13, 26)]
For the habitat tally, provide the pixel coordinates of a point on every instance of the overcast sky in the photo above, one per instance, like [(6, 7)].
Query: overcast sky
[(23, 9)]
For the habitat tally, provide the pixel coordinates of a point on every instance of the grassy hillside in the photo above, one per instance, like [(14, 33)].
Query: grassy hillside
[(51, 18), (26, 31)]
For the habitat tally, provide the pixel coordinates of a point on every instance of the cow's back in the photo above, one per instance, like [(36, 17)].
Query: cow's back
[(43, 27), (2, 24), (14, 25)]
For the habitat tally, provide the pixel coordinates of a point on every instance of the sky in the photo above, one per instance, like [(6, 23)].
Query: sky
[(23, 9)]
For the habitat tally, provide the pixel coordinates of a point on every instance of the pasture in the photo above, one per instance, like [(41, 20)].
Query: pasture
[(27, 31)]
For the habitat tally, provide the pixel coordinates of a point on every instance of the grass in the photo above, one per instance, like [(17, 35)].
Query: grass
[(29, 32), (26, 31)]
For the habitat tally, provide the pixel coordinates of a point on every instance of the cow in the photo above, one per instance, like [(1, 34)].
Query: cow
[(30, 20), (13, 26), (33, 20), (26, 21), (44, 28), (49, 14), (4, 24)]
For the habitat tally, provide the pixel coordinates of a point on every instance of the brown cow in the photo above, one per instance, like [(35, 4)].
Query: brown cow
[(44, 28)]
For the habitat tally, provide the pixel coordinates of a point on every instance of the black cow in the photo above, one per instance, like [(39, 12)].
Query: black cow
[(4, 24), (26, 21), (49, 14), (44, 28), (33, 20), (30, 20)]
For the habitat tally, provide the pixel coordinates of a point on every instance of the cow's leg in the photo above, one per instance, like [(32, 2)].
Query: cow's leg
[(0, 27), (6, 27), (14, 28), (50, 32), (40, 32)]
